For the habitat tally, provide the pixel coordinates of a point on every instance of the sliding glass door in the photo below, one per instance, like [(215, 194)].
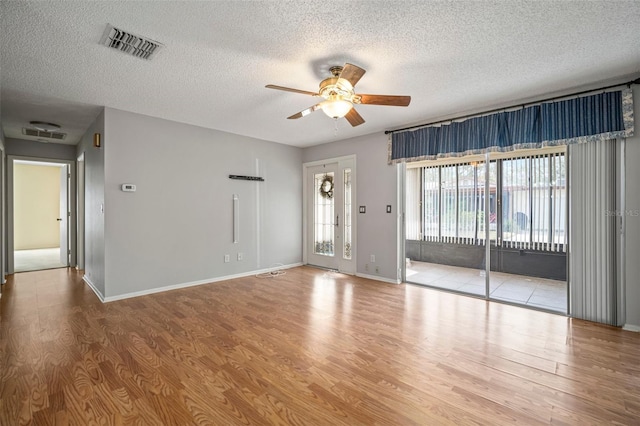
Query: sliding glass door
[(518, 203), (530, 255), (445, 240)]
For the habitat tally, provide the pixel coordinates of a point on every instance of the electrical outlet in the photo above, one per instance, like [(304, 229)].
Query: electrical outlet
[(372, 258), (366, 266), (377, 270), (240, 256), (226, 258)]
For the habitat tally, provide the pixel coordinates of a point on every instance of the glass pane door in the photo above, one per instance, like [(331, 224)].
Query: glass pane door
[(324, 214), (444, 234), (347, 223), (530, 258), (330, 191)]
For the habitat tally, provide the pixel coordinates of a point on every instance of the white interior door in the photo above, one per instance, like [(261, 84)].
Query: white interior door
[(330, 226), (63, 219)]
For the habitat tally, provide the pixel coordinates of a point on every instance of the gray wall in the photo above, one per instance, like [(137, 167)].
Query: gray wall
[(26, 148), (94, 269), (3, 200), (177, 227), (376, 187), (632, 218)]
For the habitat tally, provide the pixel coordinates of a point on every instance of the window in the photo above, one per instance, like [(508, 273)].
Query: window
[(534, 202), (527, 202), (346, 251), (324, 234)]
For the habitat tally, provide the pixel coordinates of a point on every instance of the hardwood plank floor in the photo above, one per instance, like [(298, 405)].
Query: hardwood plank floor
[(309, 347)]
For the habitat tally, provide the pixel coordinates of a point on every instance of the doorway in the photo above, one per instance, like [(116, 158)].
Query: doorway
[(329, 214), (492, 226), (41, 217)]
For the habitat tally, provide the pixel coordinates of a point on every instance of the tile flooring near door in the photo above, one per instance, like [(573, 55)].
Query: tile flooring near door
[(37, 259), (530, 291)]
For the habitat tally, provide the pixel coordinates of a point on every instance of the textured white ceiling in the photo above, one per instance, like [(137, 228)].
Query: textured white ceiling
[(451, 57)]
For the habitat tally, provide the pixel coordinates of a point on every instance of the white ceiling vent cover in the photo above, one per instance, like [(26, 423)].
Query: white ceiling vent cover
[(40, 134), (132, 44)]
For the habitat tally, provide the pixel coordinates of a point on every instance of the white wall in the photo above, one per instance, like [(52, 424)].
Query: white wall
[(376, 187), (177, 227), (632, 218), (94, 270), (36, 206)]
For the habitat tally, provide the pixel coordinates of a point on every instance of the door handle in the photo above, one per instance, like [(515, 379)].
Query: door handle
[(59, 219), (337, 222)]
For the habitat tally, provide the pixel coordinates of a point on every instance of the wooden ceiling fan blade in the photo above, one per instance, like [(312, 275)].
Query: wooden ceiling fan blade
[(305, 112), (385, 100), (352, 73), (354, 118), (289, 89)]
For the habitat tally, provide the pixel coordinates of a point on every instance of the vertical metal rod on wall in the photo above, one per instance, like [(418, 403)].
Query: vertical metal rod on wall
[(236, 218)]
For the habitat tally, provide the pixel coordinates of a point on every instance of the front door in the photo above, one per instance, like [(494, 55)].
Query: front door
[(330, 189)]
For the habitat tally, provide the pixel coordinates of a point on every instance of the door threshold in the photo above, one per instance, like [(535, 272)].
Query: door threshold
[(324, 268)]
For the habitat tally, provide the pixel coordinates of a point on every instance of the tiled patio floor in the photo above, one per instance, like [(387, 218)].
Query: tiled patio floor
[(536, 292)]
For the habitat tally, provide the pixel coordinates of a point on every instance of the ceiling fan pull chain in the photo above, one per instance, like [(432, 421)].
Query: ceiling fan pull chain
[(335, 127)]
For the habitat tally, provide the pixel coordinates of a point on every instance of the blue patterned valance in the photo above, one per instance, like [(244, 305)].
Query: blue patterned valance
[(602, 116)]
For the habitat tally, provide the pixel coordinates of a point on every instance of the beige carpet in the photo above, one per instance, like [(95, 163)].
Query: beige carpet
[(35, 260)]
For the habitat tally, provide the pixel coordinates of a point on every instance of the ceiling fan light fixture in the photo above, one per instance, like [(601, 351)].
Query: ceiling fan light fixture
[(339, 95), (336, 108)]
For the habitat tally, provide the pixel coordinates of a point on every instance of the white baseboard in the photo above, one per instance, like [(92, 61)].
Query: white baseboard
[(192, 283), (376, 278), (631, 327), (93, 287)]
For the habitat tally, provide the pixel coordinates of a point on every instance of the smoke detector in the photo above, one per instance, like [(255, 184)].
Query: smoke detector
[(135, 45)]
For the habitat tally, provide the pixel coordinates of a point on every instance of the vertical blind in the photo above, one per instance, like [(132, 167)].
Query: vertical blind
[(528, 206), (532, 189), (534, 202), (592, 228)]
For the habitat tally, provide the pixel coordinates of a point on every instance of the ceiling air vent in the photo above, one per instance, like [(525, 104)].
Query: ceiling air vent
[(40, 134), (132, 44)]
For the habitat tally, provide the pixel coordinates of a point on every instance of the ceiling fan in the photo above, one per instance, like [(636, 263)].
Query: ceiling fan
[(339, 95)]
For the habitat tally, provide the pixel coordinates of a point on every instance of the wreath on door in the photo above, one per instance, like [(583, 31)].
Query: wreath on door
[(326, 187)]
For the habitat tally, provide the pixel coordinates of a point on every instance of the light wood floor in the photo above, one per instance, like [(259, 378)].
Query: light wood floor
[(308, 347)]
